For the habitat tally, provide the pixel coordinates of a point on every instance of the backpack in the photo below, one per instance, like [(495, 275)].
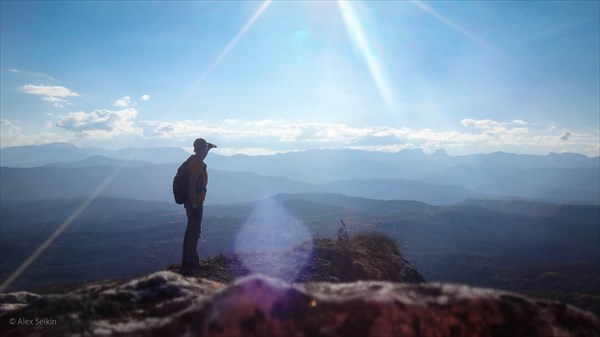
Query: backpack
[(180, 183)]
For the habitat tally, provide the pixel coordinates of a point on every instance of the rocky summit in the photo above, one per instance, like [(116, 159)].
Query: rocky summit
[(169, 304)]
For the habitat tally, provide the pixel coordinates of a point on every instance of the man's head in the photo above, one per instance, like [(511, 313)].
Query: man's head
[(200, 145)]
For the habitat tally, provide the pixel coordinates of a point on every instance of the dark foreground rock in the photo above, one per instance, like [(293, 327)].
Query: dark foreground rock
[(168, 304)]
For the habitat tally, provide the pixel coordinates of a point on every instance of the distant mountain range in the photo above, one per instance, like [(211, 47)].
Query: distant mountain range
[(99, 160), (63, 170), (332, 165), (57, 153)]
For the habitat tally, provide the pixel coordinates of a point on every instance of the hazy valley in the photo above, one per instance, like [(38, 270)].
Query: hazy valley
[(523, 223), (550, 252)]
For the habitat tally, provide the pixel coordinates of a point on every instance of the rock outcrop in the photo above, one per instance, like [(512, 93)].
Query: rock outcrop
[(369, 256), (168, 304)]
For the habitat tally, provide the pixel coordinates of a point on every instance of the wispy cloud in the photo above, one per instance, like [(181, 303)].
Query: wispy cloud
[(123, 102), (32, 74), (50, 93), (145, 97), (100, 123), (58, 102)]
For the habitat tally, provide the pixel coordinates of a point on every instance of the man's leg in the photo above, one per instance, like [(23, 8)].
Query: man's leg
[(195, 236), (192, 235)]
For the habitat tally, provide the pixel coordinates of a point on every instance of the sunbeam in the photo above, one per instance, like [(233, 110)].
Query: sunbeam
[(60, 229), (259, 12), (105, 183), (460, 29), (358, 37)]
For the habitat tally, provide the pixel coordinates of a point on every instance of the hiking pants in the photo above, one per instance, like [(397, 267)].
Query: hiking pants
[(192, 235)]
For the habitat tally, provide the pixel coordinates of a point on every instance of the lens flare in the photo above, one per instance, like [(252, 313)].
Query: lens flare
[(273, 242), (358, 36)]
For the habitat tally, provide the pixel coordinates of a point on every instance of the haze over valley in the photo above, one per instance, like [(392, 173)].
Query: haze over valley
[(523, 223), (66, 171)]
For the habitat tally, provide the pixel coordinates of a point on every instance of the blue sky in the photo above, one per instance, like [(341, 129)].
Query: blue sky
[(265, 77)]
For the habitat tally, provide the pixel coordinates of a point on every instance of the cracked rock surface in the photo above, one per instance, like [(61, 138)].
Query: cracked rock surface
[(168, 304)]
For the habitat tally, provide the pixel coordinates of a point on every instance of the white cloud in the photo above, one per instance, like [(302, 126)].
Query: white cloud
[(12, 135), (249, 151), (326, 133), (385, 148), (56, 102), (53, 94), (272, 130), (123, 102), (277, 135), (593, 150), (126, 101), (485, 124), (100, 123), (498, 132), (274, 136), (48, 90)]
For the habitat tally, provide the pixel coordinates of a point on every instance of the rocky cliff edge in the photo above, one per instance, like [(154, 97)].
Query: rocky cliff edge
[(169, 304)]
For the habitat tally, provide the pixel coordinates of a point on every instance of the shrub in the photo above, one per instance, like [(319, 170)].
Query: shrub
[(377, 242), (343, 261), (366, 255)]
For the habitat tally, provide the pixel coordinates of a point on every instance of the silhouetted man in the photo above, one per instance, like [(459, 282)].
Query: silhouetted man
[(194, 206)]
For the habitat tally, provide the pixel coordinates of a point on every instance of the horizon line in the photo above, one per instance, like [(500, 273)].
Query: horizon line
[(269, 152)]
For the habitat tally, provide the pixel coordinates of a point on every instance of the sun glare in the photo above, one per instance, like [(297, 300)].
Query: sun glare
[(360, 40)]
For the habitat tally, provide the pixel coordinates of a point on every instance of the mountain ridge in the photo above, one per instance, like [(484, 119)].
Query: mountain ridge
[(140, 180), (16, 156), (410, 174), (98, 160)]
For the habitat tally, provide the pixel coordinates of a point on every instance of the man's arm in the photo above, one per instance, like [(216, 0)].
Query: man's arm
[(194, 176)]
